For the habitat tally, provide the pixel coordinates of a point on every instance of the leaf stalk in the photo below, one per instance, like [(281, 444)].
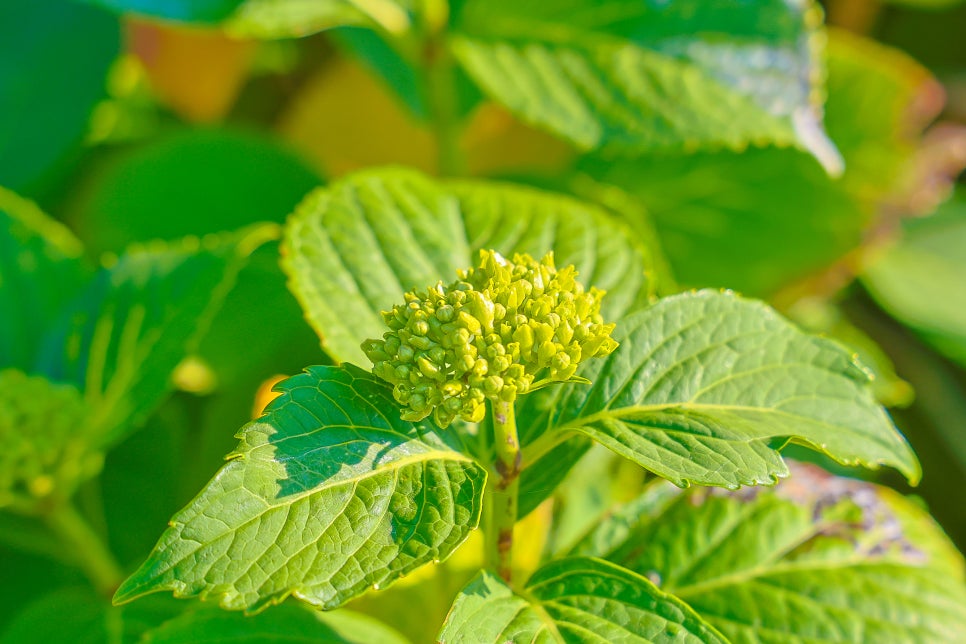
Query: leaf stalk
[(85, 547)]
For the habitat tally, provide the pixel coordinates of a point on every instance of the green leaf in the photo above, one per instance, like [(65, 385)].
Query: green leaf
[(121, 340), (822, 317), (129, 199), (351, 250), (634, 77), (920, 280), (294, 18), (68, 45), (78, 615), (204, 11), (816, 559), (705, 386), (287, 624), (573, 600), (328, 494), (726, 219), (40, 271), (273, 18)]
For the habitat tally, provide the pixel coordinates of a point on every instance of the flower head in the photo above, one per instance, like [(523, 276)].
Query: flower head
[(498, 331), (39, 428)]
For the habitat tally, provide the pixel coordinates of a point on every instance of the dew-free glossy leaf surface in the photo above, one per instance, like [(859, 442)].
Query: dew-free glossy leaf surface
[(130, 327), (577, 599), (40, 271), (351, 250), (630, 77), (705, 387), (816, 559), (328, 495)]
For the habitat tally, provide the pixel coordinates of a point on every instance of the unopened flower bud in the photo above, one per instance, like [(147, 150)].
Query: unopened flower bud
[(487, 336)]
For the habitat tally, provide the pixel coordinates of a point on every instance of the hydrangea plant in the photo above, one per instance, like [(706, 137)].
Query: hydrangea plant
[(528, 459), (486, 391)]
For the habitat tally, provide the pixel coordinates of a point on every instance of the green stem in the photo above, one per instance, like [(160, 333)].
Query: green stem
[(504, 490), (543, 445), (441, 96), (86, 548)]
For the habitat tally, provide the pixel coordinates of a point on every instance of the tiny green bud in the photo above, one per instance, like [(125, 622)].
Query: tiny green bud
[(420, 327), (493, 385), (427, 368), (445, 313)]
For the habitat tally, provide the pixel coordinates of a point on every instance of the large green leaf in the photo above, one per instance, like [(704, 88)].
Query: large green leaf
[(287, 624), (572, 600), (77, 614), (40, 271), (54, 59), (351, 250), (705, 388), (129, 198), (632, 76), (816, 559), (328, 494), (121, 339), (757, 220), (920, 280), (753, 221)]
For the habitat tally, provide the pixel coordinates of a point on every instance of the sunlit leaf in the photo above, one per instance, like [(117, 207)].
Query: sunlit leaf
[(352, 250), (572, 600), (817, 559), (328, 495), (758, 220), (294, 18), (705, 388), (631, 77)]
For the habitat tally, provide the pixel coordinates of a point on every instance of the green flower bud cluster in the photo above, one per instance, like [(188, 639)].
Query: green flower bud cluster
[(39, 430), (488, 336)]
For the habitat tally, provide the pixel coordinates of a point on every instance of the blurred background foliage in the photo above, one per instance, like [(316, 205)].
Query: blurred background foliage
[(136, 120)]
